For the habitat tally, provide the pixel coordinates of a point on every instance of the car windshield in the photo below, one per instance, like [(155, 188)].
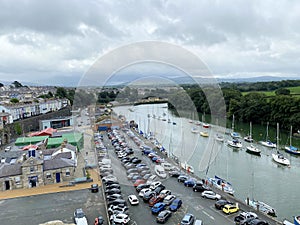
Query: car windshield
[(80, 214)]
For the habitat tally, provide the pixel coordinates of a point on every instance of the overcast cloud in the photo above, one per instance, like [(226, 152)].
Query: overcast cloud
[(42, 40)]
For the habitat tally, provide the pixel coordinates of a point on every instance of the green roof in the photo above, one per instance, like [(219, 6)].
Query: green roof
[(21, 141), (75, 139)]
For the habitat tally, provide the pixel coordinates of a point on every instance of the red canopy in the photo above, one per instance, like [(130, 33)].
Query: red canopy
[(30, 147), (46, 132)]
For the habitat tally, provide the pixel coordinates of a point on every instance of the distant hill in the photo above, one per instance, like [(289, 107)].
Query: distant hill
[(257, 79)]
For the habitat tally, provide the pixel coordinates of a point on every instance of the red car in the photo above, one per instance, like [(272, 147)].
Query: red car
[(154, 200), (138, 182)]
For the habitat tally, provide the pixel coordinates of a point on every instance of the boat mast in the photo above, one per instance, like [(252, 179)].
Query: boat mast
[(250, 130), (232, 125), (291, 131), (267, 136), (277, 137)]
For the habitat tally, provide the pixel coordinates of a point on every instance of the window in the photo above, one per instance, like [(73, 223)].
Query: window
[(67, 173), (17, 180), (48, 175), (31, 169)]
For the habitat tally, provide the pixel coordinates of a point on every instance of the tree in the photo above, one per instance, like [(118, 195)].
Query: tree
[(1, 85), (18, 128), (282, 91), (61, 92), (17, 84), (14, 100)]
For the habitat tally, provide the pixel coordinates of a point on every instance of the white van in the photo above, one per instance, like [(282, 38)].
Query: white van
[(198, 222)]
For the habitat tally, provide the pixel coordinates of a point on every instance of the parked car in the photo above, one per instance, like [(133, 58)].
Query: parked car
[(138, 182), (182, 178), (148, 195), (163, 216), (230, 208), (221, 203), (175, 205), (164, 193), (155, 184), (117, 209), (133, 200), (255, 221), (111, 186), (112, 191), (169, 199), (244, 216), (199, 187), (113, 197), (142, 186), (79, 217), (188, 219), (154, 200), (144, 191), (198, 222), (158, 189), (94, 188), (211, 195), (117, 202), (190, 182), (158, 207), (121, 218), (174, 173)]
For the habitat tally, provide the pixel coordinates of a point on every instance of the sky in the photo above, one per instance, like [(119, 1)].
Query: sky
[(56, 42)]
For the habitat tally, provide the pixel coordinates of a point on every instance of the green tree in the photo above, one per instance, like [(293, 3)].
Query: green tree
[(14, 100), (18, 128), (282, 91), (61, 92)]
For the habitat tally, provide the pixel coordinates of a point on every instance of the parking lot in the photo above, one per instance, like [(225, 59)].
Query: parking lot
[(192, 202)]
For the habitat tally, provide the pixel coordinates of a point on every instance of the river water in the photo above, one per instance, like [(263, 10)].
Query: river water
[(257, 177)]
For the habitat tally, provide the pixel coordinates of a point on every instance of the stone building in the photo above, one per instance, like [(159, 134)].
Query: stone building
[(34, 168)]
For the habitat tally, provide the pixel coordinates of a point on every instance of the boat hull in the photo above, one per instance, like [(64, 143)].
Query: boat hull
[(292, 150), (268, 144), (280, 159), (253, 150)]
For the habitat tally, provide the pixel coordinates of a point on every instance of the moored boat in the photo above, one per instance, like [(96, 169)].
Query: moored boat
[(234, 143), (221, 184), (235, 135), (187, 167), (204, 134), (267, 142), (291, 149), (279, 158), (249, 137), (219, 137), (194, 130), (253, 150), (262, 207), (206, 125), (297, 220)]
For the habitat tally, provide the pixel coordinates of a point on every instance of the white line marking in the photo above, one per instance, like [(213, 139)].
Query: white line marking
[(206, 213)]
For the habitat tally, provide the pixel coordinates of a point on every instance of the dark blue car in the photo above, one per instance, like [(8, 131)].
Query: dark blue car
[(176, 204), (158, 207), (189, 183)]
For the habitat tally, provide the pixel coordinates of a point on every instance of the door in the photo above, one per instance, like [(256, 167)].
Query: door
[(7, 185), (57, 175)]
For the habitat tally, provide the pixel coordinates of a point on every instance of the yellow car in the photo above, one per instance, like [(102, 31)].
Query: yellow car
[(230, 208)]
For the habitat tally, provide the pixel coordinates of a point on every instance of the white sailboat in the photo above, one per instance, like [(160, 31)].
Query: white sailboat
[(278, 157), (253, 150), (249, 137), (291, 149), (234, 134), (267, 142)]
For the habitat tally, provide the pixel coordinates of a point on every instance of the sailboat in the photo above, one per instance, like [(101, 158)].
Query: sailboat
[(259, 205), (291, 149), (234, 134), (278, 157), (253, 150), (268, 143), (249, 137)]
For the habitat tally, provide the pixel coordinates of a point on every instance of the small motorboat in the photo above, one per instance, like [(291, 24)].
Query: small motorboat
[(194, 130), (204, 134), (206, 125), (235, 135), (261, 206), (219, 138), (221, 184)]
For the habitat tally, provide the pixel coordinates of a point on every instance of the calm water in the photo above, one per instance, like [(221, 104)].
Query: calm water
[(252, 176)]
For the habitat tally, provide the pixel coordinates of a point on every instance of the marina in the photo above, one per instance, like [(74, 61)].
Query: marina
[(270, 184)]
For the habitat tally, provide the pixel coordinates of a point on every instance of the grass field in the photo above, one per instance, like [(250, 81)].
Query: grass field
[(294, 91)]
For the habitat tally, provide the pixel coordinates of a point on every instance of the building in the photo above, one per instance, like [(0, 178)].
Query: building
[(34, 168), (56, 123)]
